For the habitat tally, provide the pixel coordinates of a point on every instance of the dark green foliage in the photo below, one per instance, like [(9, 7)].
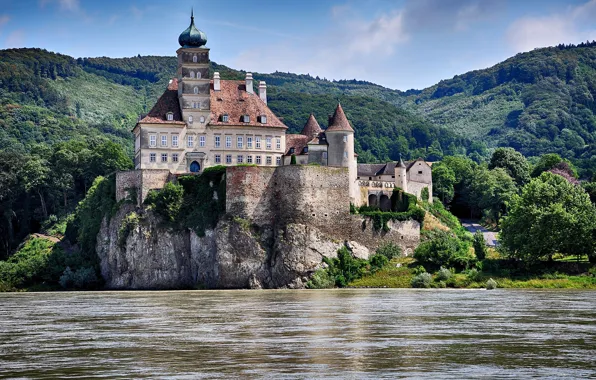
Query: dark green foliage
[(443, 182), (389, 250), (425, 195), (444, 274), (345, 268), (321, 279), (550, 216), (480, 248), (293, 160), (377, 262), (129, 223), (399, 201), (514, 164), (443, 249), (196, 203)]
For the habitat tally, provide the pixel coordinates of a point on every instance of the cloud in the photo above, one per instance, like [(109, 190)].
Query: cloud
[(3, 20), (448, 15), (65, 5), (15, 39), (573, 25)]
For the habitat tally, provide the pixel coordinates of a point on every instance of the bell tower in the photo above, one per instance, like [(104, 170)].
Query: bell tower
[(193, 76)]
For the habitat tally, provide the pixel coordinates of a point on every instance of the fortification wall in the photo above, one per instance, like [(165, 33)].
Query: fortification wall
[(142, 181)]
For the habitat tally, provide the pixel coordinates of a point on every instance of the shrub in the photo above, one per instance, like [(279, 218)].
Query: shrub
[(443, 274), (167, 202), (480, 248), (443, 249), (293, 160), (424, 194), (389, 250), (82, 278), (321, 279), (422, 280), (345, 268), (491, 284), (473, 275), (377, 262), (419, 269), (129, 223)]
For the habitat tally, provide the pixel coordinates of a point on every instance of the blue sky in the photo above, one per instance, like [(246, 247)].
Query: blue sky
[(399, 44)]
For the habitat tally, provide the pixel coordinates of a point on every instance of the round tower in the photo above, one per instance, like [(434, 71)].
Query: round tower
[(400, 175), (340, 137)]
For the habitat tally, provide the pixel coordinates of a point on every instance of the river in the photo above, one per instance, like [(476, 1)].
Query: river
[(290, 334)]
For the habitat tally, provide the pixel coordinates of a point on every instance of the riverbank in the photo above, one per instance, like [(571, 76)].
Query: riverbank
[(399, 273)]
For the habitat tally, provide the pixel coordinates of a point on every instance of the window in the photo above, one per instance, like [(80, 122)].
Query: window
[(268, 161), (202, 141), (278, 143), (170, 116), (175, 141), (217, 141), (224, 118), (258, 158), (164, 157), (164, 140), (263, 119), (190, 120), (324, 155), (249, 159), (202, 119), (345, 138), (249, 142), (258, 142), (198, 75), (239, 159), (190, 140), (228, 158), (194, 58), (218, 158), (195, 105), (175, 157), (268, 143), (192, 74), (345, 154), (292, 150), (239, 143), (245, 118), (305, 149), (152, 157), (195, 90), (228, 141), (278, 161), (152, 140), (419, 171)]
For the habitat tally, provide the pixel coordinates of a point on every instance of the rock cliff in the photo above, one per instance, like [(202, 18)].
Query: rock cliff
[(235, 254)]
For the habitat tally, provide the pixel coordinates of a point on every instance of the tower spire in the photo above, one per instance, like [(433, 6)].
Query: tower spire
[(192, 13)]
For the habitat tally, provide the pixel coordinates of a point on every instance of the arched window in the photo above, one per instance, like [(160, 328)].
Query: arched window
[(190, 119), (192, 74), (194, 58), (195, 167), (196, 90), (202, 119), (198, 75)]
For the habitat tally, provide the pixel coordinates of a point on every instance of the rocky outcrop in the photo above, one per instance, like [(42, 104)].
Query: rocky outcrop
[(235, 254)]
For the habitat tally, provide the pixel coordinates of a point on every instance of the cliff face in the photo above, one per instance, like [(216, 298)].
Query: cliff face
[(236, 254)]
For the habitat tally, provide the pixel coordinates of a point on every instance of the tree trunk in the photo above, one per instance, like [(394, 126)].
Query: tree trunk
[(44, 210)]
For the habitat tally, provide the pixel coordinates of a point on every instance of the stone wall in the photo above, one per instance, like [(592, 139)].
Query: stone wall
[(142, 181)]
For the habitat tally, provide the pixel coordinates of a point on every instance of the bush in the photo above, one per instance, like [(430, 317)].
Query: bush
[(377, 262), (167, 201), (82, 278), (129, 223), (491, 284), (345, 268), (389, 250), (321, 279), (480, 248), (443, 249), (443, 274), (422, 280), (424, 194), (473, 275)]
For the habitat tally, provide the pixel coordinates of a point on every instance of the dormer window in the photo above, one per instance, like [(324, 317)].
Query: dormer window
[(192, 74), (224, 118), (190, 119), (196, 90), (263, 119), (306, 150), (245, 118), (292, 150), (170, 116), (194, 58)]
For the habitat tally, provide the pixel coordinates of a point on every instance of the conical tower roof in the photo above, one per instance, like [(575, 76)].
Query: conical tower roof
[(339, 121), (401, 162), (312, 127)]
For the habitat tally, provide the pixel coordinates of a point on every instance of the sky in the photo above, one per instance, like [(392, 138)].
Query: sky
[(400, 44)]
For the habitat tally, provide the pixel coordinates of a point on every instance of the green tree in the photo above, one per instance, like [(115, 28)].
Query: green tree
[(36, 173), (490, 191), (514, 163), (550, 216), (550, 161), (479, 246), (443, 182)]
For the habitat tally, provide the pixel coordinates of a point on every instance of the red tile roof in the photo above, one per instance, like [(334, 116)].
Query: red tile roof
[(234, 101), (339, 121), (298, 142), (312, 127), (168, 102)]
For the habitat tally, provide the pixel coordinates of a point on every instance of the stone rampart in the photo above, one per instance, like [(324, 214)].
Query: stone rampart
[(141, 182)]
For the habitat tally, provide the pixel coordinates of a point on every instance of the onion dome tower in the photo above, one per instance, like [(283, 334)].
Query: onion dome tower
[(192, 36)]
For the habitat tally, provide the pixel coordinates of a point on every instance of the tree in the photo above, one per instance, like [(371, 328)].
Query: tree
[(550, 216), (550, 161), (514, 163), (36, 173), (443, 182), (491, 191), (480, 246)]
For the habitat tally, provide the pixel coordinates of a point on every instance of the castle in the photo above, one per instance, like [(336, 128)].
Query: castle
[(200, 122)]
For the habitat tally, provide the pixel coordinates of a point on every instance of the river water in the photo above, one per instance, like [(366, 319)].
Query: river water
[(299, 334)]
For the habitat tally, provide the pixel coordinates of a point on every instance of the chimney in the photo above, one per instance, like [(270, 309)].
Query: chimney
[(216, 82), (263, 91), (249, 88)]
